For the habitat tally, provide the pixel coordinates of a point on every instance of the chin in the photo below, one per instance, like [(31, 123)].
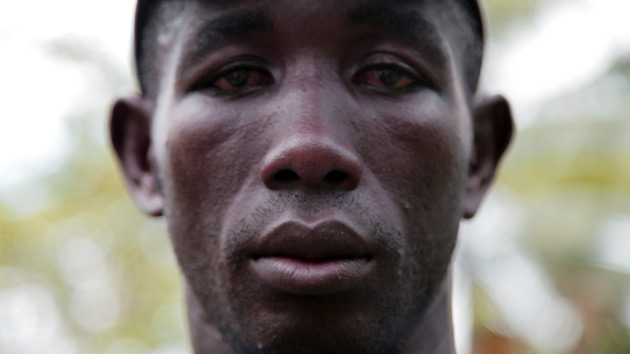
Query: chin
[(265, 311), (365, 319), (320, 333)]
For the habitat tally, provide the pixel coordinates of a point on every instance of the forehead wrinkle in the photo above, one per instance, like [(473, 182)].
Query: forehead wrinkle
[(213, 33), (403, 21)]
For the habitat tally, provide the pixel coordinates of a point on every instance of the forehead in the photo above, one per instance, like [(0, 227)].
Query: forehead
[(406, 17), (316, 8), (323, 7), (212, 24)]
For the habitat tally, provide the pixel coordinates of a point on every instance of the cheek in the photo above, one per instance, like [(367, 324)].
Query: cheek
[(198, 155), (420, 148), (419, 155), (209, 156), (421, 159), (210, 153)]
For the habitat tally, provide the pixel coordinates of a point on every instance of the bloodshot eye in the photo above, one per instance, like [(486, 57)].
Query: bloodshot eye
[(237, 80), (241, 78), (386, 77)]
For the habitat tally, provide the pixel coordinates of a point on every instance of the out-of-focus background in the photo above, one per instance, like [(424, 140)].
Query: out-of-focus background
[(544, 268)]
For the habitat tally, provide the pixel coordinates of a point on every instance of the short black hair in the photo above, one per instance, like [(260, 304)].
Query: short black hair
[(473, 51)]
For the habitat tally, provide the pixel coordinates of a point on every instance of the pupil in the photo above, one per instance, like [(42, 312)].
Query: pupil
[(389, 77), (237, 78)]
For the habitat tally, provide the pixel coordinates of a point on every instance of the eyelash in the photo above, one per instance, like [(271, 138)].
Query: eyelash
[(211, 83), (367, 77), (413, 81)]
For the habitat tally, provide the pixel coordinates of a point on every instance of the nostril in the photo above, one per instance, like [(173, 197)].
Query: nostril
[(286, 176), (335, 177), (312, 163)]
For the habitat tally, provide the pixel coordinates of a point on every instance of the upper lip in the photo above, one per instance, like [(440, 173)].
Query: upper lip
[(324, 240)]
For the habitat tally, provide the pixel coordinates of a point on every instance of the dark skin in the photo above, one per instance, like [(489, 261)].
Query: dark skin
[(312, 165)]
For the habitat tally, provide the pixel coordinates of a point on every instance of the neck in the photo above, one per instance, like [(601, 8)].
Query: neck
[(433, 334), (205, 337)]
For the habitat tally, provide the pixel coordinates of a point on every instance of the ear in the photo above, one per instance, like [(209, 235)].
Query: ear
[(493, 126), (130, 131)]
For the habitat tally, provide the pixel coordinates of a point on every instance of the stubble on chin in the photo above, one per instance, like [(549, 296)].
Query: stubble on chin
[(253, 319)]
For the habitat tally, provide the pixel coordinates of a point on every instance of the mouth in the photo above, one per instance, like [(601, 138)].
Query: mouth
[(326, 258)]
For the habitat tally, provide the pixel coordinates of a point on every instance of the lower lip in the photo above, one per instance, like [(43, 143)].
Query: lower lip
[(305, 277)]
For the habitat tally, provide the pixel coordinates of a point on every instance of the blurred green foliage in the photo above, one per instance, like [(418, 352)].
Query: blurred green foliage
[(91, 235), (504, 14), (570, 172)]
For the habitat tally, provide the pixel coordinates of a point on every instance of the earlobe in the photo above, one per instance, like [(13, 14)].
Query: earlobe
[(493, 126), (130, 131)]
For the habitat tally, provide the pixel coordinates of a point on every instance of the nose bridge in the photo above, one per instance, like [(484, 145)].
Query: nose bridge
[(310, 146), (308, 102)]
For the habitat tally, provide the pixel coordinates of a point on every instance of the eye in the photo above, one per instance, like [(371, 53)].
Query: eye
[(237, 80), (241, 78), (386, 77)]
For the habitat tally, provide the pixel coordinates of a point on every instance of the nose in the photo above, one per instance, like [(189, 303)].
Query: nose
[(311, 162)]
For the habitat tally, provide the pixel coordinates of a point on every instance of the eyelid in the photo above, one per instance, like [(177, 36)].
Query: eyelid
[(388, 59), (205, 82), (387, 65), (416, 81)]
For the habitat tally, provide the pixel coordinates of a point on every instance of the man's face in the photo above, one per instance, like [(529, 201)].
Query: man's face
[(312, 160)]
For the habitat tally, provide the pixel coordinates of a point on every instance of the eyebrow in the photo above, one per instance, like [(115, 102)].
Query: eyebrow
[(406, 23), (409, 24), (225, 27)]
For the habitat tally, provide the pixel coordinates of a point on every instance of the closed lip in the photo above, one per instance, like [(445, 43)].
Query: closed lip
[(320, 258)]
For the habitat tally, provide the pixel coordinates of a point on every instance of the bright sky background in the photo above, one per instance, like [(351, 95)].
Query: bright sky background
[(39, 90), (564, 48), (568, 44)]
